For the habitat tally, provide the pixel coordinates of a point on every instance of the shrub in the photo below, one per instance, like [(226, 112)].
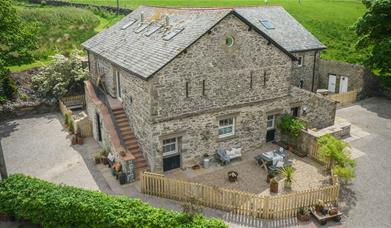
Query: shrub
[(63, 76), (70, 126), (291, 125), (52, 205), (24, 97), (66, 119), (8, 88)]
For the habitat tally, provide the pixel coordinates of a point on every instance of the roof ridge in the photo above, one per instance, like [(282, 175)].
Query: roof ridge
[(212, 8)]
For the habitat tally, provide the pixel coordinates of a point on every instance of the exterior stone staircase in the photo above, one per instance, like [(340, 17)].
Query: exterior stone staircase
[(130, 141)]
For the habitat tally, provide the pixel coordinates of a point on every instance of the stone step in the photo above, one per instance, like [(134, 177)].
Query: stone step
[(120, 115), (141, 164), (122, 124), (121, 120), (125, 130), (128, 137)]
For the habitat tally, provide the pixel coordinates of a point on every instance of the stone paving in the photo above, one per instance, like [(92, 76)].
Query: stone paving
[(252, 177)]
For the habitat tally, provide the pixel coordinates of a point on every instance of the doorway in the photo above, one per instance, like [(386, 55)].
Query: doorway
[(270, 128), (171, 155), (332, 83), (118, 85), (343, 84), (99, 127)]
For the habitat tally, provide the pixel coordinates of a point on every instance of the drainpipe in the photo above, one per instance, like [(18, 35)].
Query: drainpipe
[(313, 72)]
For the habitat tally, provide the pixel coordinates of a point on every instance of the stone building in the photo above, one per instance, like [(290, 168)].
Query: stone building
[(192, 80)]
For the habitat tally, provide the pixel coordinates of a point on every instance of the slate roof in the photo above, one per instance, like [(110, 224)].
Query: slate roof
[(145, 55)]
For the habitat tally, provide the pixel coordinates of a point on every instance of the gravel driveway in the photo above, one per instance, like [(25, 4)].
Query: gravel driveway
[(39, 146)]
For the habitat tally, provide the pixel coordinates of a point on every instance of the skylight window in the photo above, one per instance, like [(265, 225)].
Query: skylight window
[(128, 24), (172, 34), (153, 29), (141, 28), (267, 24)]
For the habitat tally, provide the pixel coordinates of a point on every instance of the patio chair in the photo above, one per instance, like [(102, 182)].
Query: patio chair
[(278, 166), (222, 156)]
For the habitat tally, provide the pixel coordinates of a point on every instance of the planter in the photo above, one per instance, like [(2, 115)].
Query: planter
[(233, 176), (274, 186), (122, 178), (288, 185), (269, 177), (303, 217)]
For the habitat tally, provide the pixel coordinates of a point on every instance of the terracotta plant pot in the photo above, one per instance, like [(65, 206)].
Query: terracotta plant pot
[(233, 176), (269, 177), (303, 217), (273, 186)]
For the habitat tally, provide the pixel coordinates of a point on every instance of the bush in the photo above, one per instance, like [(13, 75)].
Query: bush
[(8, 88), (291, 125), (63, 76), (52, 205)]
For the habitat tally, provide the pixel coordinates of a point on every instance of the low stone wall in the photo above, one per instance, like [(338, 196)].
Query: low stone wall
[(13, 111), (83, 5)]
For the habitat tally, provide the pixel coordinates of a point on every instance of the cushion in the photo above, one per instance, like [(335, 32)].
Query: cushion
[(280, 164)]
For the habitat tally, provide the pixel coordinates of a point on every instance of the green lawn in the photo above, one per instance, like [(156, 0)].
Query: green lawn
[(329, 20)]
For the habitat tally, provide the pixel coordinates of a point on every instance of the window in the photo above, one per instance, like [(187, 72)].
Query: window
[(203, 87), (229, 41), (295, 111), (270, 122), (301, 84), (172, 34), (169, 147), (187, 89), (251, 80), (300, 61), (226, 127), (267, 24)]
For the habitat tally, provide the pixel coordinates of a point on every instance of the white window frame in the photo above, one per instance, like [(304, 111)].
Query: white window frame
[(172, 152), (300, 60), (273, 122), (227, 126)]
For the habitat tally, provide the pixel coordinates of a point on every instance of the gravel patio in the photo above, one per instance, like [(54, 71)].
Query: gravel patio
[(252, 177)]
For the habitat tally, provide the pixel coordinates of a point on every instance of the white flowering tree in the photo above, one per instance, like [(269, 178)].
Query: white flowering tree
[(63, 76)]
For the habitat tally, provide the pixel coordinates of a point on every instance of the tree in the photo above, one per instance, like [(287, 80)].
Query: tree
[(374, 30), (61, 77), (17, 39)]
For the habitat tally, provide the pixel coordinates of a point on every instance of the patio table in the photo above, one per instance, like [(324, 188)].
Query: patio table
[(271, 156)]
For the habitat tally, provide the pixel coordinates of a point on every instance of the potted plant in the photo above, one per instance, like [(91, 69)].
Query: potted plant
[(270, 175), (71, 128), (303, 214), (233, 176), (206, 160), (66, 120), (274, 185), (103, 157), (97, 159), (288, 173), (319, 206)]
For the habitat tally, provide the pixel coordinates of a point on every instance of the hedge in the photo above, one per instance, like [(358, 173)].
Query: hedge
[(52, 205)]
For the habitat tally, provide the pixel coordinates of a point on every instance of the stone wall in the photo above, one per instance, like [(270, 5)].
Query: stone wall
[(354, 72), (319, 111), (225, 71), (15, 110), (305, 72), (102, 67)]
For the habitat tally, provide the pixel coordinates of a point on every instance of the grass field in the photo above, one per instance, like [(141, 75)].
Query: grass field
[(328, 20), (61, 29)]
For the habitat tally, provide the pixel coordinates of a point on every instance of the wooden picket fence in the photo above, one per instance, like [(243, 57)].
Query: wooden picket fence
[(238, 202), (344, 98), (83, 125)]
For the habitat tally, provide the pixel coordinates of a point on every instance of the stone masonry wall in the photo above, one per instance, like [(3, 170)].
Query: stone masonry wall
[(102, 67), (226, 72), (305, 72), (354, 72)]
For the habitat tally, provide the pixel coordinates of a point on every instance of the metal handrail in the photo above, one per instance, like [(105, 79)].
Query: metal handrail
[(103, 97)]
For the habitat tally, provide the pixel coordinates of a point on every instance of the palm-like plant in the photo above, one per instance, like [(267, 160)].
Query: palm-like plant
[(288, 173)]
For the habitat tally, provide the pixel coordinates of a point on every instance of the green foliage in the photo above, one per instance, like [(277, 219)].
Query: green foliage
[(51, 205), (61, 77), (346, 173), (24, 97), (8, 88), (66, 119), (71, 128), (288, 173), (291, 125), (334, 150), (374, 30), (17, 39), (58, 29)]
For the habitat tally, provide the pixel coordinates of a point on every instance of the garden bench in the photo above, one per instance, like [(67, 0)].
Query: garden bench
[(226, 156)]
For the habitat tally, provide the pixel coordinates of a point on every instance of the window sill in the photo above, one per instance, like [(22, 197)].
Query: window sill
[(226, 138)]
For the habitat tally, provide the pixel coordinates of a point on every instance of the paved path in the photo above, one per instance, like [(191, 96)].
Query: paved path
[(368, 198), (40, 147)]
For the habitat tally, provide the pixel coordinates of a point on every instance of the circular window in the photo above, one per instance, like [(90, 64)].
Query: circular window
[(229, 41)]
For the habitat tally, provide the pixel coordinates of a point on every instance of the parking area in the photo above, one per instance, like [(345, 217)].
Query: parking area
[(39, 146)]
